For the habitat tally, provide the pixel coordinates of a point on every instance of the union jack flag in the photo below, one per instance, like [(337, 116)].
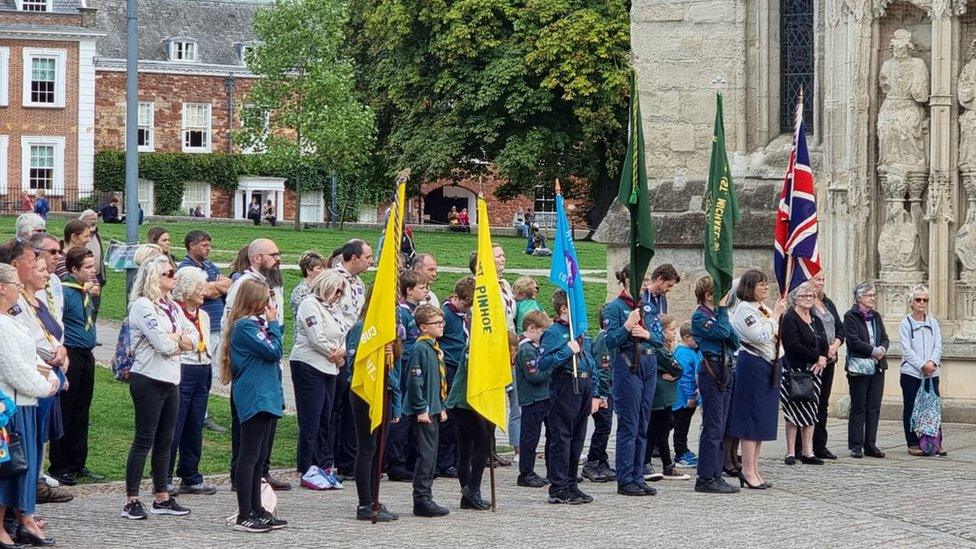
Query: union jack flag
[(796, 255)]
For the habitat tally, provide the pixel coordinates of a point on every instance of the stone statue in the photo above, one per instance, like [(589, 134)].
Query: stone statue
[(901, 121), (967, 122), (966, 236), (900, 241)]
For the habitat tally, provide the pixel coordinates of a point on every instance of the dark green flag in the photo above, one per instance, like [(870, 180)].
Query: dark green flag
[(721, 211), (633, 194)]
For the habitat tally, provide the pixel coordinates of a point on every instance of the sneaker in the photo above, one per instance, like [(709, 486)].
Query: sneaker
[(172, 489), (50, 494), (365, 512), (202, 489), (251, 523), (672, 473), (581, 496), (133, 510), (647, 489), (274, 522), (316, 479), (630, 489), (530, 480), (608, 471), (713, 486), (687, 459), (593, 472), (334, 479), (210, 425), (562, 496), (650, 475), (86, 474), (49, 480), (168, 507)]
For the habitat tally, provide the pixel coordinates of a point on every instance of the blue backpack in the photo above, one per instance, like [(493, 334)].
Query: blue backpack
[(125, 352)]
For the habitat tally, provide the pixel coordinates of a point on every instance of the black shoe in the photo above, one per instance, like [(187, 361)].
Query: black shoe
[(473, 500), (274, 522), (251, 523), (133, 510), (429, 509), (278, 485), (593, 472), (26, 537), (168, 507), (647, 489), (561, 496), (744, 483), (86, 474), (210, 425), (734, 473), (365, 512), (608, 471), (789, 460), (530, 481), (713, 486), (630, 489), (63, 478), (811, 460), (581, 496), (399, 476), (500, 461), (202, 488), (450, 472), (825, 454), (874, 452), (579, 479), (857, 454)]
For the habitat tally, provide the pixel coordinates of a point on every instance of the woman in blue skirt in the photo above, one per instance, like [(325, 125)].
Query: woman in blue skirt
[(755, 400)]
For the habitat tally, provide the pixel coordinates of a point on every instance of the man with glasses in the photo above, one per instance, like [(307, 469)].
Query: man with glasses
[(265, 262)]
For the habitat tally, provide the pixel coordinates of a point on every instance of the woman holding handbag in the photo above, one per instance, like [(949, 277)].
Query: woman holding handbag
[(805, 351), (867, 345), (21, 378)]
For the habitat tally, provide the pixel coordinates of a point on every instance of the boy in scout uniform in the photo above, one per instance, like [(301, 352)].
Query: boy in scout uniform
[(597, 467), (532, 387)]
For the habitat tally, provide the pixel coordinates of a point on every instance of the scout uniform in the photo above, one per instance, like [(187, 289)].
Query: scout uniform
[(425, 393), (533, 392)]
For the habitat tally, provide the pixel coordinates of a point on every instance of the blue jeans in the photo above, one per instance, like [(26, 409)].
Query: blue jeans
[(188, 434), (514, 417), (633, 394)]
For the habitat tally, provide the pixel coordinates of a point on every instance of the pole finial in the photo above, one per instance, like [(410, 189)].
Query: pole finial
[(558, 188)]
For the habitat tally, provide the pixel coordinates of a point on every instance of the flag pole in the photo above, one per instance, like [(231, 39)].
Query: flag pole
[(569, 313), (491, 465), (785, 290), (381, 439)]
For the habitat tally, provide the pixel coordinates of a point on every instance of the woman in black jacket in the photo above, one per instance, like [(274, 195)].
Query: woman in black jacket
[(826, 311), (867, 345)]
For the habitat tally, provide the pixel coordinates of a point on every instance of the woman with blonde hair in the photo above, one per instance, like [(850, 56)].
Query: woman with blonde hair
[(315, 359), (158, 328), (250, 353)]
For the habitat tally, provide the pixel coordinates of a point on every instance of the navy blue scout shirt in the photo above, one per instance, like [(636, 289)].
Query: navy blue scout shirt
[(455, 338), (555, 356), (712, 329), (213, 306), (392, 380), (532, 385), (602, 357), (618, 339)]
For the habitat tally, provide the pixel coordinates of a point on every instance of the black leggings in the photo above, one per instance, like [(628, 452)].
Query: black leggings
[(255, 433), (661, 423), (157, 404), (474, 437), (366, 455)]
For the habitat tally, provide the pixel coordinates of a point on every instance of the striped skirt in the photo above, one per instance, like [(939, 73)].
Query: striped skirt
[(801, 414)]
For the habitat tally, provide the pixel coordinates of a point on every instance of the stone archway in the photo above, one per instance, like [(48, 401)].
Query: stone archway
[(438, 203)]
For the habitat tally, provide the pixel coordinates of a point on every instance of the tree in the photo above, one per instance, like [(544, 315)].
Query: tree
[(537, 88), (304, 110)]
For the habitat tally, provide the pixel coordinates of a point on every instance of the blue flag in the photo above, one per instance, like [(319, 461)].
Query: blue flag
[(564, 271)]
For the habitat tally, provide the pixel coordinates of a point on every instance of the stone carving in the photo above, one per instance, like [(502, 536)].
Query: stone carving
[(940, 199), (967, 122), (902, 126), (899, 245), (936, 9), (966, 236)]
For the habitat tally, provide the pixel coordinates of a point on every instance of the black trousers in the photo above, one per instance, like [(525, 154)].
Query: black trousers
[(157, 404), (343, 447), (255, 433), (399, 455), (425, 440), (682, 424), (447, 447), (474, 437), (314, 391), (862, 424), (70, 452), (602, 425), (662, 421), (366, 456), (235, 442), (909, 390), (534, 416), (568, 415)]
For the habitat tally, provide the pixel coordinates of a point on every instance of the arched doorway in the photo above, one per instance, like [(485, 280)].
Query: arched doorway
[(438, 203)]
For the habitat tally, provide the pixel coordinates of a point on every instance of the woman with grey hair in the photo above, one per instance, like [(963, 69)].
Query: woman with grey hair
[(805, 349), (28, 225), (921, 344), (867, 346)]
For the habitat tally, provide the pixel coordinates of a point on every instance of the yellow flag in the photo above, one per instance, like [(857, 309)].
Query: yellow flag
[(379, 324), (489, 362)]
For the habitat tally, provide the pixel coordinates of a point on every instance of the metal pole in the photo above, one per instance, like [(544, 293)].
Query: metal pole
[(334, 205), (131, 135)]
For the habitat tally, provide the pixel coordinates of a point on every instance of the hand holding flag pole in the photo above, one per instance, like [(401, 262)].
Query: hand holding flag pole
[(564, 273)]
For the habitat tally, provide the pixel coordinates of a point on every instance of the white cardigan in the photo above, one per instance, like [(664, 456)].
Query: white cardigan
[(19, 377), (321, 330)]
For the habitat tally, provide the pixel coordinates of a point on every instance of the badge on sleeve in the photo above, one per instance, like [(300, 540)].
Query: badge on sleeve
[(750, 320), (606, 322), (311, 321), (647, 308), (708, 324), (15, 310), (152, 323), (530, 365), (415, 372)]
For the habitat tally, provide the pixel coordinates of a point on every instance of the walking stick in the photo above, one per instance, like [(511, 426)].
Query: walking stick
[(381, 439), (491, 469)]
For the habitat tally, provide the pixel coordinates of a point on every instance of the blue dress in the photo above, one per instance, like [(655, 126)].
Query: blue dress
[(755, 398)]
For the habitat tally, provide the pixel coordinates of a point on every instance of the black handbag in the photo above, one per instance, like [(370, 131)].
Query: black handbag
[(800, 386), (17, 464)]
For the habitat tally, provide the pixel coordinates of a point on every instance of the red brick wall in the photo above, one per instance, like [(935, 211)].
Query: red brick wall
[(17, 121)]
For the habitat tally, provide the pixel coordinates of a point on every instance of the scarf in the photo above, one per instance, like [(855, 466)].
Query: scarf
[(167, 307), (866, 314), (85, 301), (441, 367), (194, 318)]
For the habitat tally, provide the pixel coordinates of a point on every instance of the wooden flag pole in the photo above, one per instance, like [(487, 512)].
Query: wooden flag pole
[(491, 465), (381, 438)]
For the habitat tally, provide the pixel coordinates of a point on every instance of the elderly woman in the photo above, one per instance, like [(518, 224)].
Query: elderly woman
[(315, 359), (755, 402), (867, 346), (805, 348), (826, 311), (21, 378), (98, 252), (160, 333), (195, 380), (28, 225), (921, 344)]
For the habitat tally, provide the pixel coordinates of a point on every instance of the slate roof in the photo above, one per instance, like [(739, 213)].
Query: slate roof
[(218, 28), (60, 6)]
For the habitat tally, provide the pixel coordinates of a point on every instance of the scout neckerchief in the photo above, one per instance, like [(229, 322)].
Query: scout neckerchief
[(72, 282), (441, 367), (194, 318), (464, 320), (49, 295), (53, 341), (169, 308)]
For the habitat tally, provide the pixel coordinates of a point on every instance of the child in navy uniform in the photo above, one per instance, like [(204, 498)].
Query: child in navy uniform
[(533, 391)]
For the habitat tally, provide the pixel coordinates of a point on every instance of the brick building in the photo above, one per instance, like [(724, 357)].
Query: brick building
[(47, 90)]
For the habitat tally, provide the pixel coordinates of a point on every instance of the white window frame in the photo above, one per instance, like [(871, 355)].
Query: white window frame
[(4, 77), (242, 50), (187, 205), (28, 141), (48, 6), (150, 146), (4, 180), (146, 197), (206, 148), (187, 46), (60, 63)]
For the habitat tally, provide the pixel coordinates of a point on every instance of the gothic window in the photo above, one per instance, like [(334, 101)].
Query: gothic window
[(796, 61)]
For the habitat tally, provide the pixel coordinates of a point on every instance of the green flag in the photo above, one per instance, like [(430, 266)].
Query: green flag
[(721, 211), (633, 194)]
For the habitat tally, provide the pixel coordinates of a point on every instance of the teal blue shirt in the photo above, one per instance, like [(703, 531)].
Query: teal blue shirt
[(255, 354)]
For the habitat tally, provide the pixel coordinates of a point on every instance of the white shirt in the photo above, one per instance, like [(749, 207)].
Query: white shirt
[(757, 329), (156, 355), (320, 333), (19, 376)]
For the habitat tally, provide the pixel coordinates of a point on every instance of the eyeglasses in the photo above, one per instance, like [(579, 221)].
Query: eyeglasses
[(437, 323), (805, 296), (921, 300), (276, 255), (52, 251), (870, 295), (170, 274)]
